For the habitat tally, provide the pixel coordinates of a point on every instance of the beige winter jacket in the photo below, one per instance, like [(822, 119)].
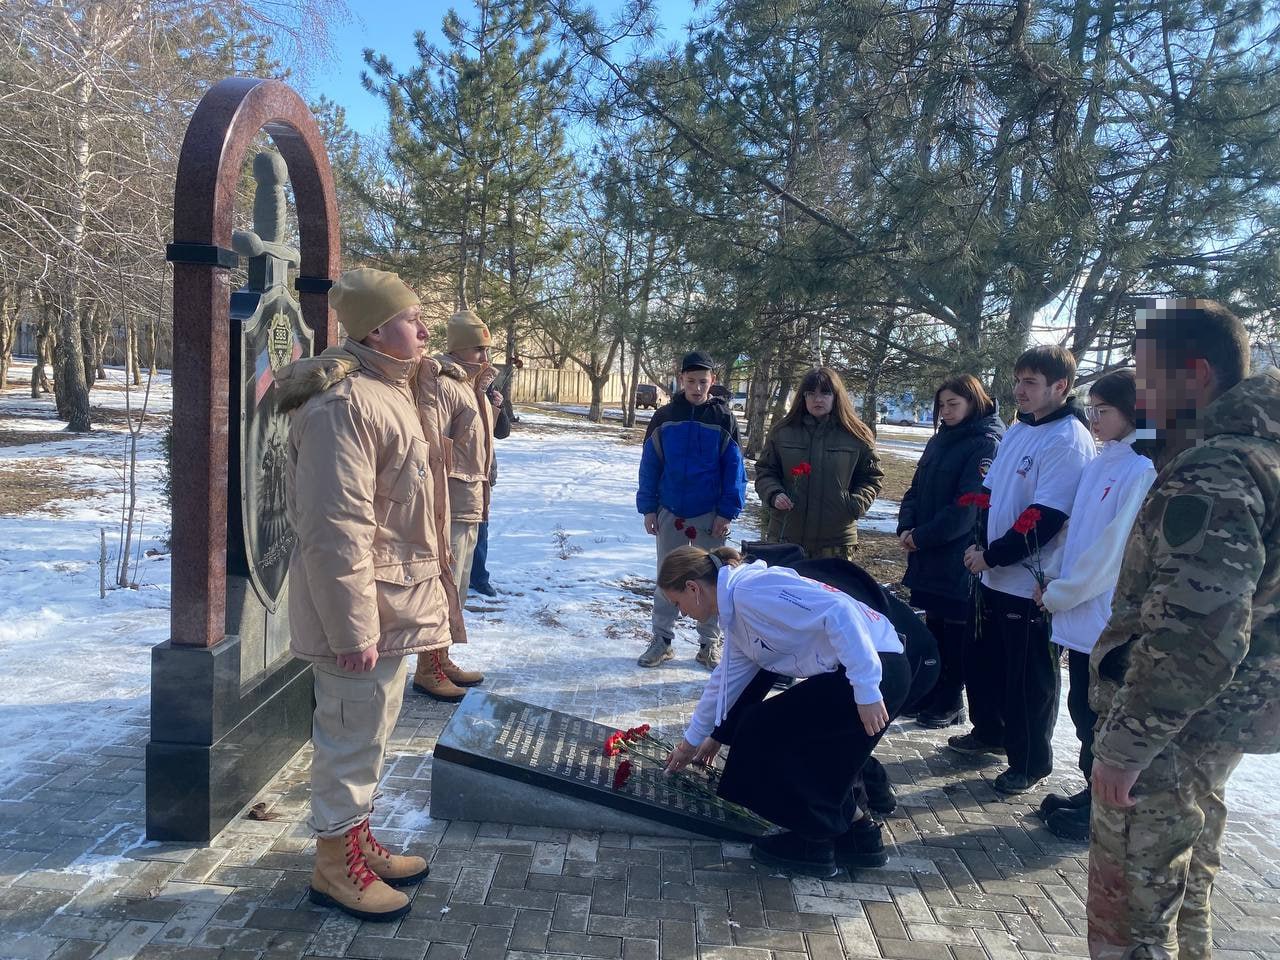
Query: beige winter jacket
[(371, 564), (466, 422)]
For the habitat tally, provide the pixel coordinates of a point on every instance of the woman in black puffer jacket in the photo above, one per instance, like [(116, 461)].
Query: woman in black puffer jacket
[(935, 530)]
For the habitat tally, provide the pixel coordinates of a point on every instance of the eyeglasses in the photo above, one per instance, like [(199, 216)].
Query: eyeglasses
[(1095, 413)]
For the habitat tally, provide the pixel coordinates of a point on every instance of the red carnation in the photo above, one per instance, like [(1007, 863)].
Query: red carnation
[(980, 500), (621, 774), (679, 523), (611, 748), (691, 533), (1027, 521), (801, 470)]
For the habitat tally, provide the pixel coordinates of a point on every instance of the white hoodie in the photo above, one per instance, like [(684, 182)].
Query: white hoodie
[(1112, 489), (775, 619)]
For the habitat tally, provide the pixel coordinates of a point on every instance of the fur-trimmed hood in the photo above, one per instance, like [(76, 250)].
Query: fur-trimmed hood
[(303, 379)]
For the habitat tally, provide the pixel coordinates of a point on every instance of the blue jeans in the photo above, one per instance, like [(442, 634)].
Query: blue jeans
[(479, 572)]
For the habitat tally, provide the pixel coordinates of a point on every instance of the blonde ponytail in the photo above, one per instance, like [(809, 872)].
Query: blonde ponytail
[(693, 563)]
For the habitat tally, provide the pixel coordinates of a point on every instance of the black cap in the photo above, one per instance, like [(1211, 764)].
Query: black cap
[(696, 361)]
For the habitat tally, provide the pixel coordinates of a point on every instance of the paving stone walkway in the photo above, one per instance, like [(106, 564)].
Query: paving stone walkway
[(973, 876)]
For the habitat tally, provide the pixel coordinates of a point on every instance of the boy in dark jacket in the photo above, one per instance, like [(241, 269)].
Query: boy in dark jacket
[(693, 484)]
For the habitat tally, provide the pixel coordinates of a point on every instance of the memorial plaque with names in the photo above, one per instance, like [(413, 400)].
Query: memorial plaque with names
[(564, 754)]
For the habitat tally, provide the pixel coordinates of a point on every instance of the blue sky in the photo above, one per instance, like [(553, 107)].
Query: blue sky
[(388, 26)]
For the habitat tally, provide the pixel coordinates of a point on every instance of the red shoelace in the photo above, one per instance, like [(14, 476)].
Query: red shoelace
[(378, 848), (357, 868)]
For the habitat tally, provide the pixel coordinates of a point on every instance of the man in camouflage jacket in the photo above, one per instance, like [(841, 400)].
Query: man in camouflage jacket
[(1186, 677)]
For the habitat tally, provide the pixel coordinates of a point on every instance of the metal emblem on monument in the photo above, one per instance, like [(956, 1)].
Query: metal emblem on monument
[(272, 334)]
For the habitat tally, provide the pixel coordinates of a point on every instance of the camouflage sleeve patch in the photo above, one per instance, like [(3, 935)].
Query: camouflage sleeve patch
[(1186, 520)]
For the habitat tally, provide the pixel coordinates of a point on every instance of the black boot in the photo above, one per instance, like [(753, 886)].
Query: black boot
[(862, 847), (1056, 801), (937, 719), (1071, 823), (796, 854)]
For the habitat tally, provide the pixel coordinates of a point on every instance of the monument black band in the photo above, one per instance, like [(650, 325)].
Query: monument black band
[(313, 284), (202, 254)]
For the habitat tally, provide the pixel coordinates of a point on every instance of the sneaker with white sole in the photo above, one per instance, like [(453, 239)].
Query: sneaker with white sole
[(659, 650)]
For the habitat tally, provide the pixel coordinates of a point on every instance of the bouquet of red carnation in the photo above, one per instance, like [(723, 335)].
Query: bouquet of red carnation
[(687, 528), (800, 472), (637, 745)]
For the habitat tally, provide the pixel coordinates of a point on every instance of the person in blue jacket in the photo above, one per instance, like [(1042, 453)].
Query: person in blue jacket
[(693, 483)]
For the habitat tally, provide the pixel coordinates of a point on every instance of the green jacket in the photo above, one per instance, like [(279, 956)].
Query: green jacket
[(1193, 644), (844, 479)]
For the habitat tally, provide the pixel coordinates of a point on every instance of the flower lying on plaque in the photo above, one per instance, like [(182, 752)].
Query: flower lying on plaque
[(638, 749)]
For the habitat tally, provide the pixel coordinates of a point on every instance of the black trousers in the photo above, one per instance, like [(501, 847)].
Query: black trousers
[(1082, 716), (1011, 672), (952, 636), (794, 757)]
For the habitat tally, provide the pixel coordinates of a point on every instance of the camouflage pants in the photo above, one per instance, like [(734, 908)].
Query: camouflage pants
[(1151, 867)]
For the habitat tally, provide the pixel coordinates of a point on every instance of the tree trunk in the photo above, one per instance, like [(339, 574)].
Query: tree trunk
[(10, 302), (871, 392), (629, 418), (622, 374), (757, 404), (44, 354), (131, 341), (153, 337), (596, 413), (782, 378), (89, 347), (71, 387)]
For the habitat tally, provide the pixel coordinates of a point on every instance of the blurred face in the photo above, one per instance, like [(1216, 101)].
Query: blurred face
[(696, 385), (1106, 421), (696, 600), (953, 408), (472, 354), (819, 402), (1034, 395), (1169, 398), (404, 336)]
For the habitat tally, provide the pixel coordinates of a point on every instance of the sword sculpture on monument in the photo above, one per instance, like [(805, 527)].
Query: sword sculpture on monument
[(272, 333)]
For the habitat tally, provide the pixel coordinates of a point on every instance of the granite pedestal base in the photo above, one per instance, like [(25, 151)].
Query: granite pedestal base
[(214, 744)]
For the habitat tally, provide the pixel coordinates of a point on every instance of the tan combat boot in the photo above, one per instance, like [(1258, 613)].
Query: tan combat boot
[(343, 879), (460, 677), (392, 868), (431, 679)]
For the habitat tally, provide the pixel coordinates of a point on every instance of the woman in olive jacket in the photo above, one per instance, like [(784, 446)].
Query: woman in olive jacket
[(935, 531), (819, 471)]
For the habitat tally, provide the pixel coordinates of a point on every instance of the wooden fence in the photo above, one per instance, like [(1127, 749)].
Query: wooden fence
[(542, 385)]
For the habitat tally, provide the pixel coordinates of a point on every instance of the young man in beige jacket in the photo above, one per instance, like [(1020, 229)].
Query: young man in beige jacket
[(466, 420), (369, 579)]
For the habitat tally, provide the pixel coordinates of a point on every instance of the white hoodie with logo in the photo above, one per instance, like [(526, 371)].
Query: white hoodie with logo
[(1112, 489), (777, 620)]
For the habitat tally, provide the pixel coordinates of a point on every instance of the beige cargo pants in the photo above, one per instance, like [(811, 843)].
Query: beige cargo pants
[(354, 716), (462, 544)]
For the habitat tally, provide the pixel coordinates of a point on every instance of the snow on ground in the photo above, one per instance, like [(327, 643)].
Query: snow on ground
[(567, 549), (77, 668)]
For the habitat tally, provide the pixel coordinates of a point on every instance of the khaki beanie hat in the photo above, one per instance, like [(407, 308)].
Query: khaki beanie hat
[(364, 299), (465, 329)]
